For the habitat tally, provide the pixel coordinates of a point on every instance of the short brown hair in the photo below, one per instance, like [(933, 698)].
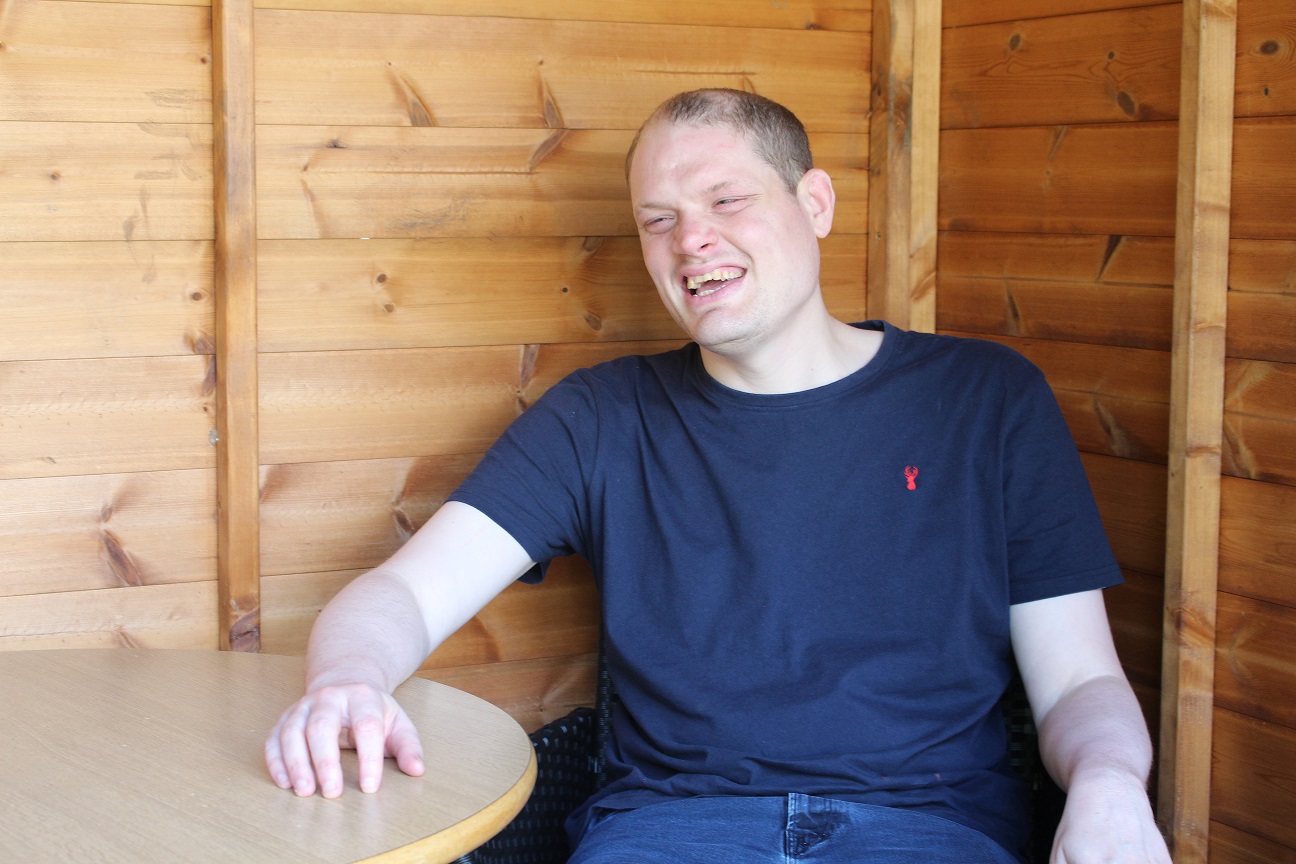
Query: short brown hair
[(774, 132)]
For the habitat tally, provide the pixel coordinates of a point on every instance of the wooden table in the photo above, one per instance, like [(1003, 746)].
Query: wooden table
[(137, 756)]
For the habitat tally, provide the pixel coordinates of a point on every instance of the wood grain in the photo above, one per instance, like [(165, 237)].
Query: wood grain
[(532, 692), (106, 531), (1262, 300), (1264, 193), (1134, 611), (354, 294), (1105, 67), (356, 69), (180, 615), (324, 516), (1196, 405), (1254, 777), (1255, 672), (1260, 421), (1092, 258), (445, 182), (1231, 846), (965, 14), (1131, 500), (1258, 540), (66, 417), (1092, 179), (1115, 400), (1266, 74), (110, 63), (105, 299), (106, 181), (1125, 315), (786, 14), (238, 521)]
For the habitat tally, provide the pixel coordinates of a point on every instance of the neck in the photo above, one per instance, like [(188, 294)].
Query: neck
[(796, 363)]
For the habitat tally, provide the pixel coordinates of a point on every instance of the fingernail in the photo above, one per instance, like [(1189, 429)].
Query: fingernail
[(368, 785)]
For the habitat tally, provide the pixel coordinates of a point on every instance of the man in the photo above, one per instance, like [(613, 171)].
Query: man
[(819, 547)]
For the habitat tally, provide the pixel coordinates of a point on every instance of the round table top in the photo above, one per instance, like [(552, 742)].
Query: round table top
[(127, 755)]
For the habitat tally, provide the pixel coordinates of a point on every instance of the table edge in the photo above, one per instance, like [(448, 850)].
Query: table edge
[(450, 843)]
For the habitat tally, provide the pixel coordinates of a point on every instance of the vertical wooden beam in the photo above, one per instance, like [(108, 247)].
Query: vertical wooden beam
[(904, 138), (237, 488), (1196, 420)]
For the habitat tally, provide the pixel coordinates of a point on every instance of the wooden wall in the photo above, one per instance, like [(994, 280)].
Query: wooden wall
[(1253, 794), (442, 231), (1058, 176), (1057, 212)]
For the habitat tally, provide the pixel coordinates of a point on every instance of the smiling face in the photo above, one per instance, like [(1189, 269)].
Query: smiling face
[(733, 252)]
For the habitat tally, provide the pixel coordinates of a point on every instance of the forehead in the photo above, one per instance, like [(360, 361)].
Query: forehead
[(676, 154)]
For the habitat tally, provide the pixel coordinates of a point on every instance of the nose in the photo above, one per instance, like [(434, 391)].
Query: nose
[(693, 235)]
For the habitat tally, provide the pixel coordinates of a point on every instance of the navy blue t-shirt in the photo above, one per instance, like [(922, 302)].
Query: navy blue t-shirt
[(809, 592)]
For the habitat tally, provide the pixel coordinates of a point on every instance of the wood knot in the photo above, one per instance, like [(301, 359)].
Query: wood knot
[(1015, 42), (380, 278), (1127, 103), (1269, 47)]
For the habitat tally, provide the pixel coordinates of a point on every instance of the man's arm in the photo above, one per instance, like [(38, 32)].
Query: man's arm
[(1093, 738), (373, 635)]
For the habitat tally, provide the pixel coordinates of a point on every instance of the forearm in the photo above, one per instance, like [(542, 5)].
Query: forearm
[(1096, 732), (372, 633)]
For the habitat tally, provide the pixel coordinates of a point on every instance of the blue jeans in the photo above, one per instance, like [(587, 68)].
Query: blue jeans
[(780, 830)]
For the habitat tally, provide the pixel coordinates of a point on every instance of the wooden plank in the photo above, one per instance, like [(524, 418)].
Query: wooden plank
[(1196, 406), (110, 299), (106, 531), (327, 406), (353, 69), (238, 520), (182, 615), (557, 618), (1262, 300), (1253, 782), (324, 406), (1125, 315), (533, 692), (1115, 400), (1264, 190), (1266, 76), (366, 509), (65, 417), (353, 294), (439, 182), (967, 14), (1255, 671), (105, 181), (1131, 500), (1258, 540), (1094, 179), (786, 14), (1134, 610), (1231, 846), (113, 63), (1105, 67), (1260, 421), (891, 158), (1106, 259)]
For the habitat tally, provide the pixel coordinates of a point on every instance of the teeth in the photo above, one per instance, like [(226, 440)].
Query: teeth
[(722, 274)]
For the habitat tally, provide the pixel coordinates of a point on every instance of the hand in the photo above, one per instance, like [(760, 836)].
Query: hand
[(305, 745), (1108, 820)]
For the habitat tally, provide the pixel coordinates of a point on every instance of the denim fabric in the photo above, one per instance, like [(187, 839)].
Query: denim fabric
[(780, 830)]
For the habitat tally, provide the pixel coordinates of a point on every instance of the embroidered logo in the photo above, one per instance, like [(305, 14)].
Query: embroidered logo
[(911, 477)]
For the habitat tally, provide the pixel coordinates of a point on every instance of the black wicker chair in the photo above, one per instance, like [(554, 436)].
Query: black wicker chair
[(569, 759)]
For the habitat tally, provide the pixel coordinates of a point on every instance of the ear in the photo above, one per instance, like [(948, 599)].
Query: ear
[(816, 196)]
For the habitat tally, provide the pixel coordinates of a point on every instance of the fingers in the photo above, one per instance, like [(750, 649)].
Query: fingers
[(303, 751)]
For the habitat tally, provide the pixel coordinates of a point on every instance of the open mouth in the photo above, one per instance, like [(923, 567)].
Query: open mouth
[(709, 283)]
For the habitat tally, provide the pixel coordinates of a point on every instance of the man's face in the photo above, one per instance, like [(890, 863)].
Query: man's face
[(733, 252)]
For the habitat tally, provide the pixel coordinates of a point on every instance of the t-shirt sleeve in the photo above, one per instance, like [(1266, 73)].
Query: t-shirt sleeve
[(533, 480), (1055, 538)]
